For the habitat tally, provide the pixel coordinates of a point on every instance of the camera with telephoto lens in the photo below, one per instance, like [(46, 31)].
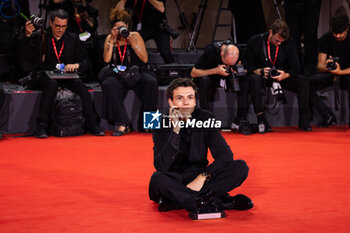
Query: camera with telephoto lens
[(79, 6), (124, 31), (37, 21), (332, 65), (232, 82), (165, 27)]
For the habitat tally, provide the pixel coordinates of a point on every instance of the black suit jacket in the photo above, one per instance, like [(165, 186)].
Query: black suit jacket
[(29, 52), (167, 148)]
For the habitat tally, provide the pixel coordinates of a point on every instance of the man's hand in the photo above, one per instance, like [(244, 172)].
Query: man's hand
[(29, 29), (197, 183), (282, 76), (266, 71), (221, 70), (337, 71), (175, 116), (71, 68)]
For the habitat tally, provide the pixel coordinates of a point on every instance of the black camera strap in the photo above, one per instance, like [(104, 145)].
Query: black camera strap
[(263, 42)]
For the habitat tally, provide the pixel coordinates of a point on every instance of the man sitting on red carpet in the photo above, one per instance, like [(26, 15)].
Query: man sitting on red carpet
[(183, 178)]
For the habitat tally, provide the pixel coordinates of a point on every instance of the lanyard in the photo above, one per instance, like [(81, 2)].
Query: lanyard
[(141, 13), (54, 47), (268, 51), (120, 52), (78, 19)]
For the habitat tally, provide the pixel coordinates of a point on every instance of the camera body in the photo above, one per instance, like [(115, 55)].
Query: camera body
[(165, 27), (37, 21), (79, 6), (124, 31), (232, 81), (332, 65), (273, 72)]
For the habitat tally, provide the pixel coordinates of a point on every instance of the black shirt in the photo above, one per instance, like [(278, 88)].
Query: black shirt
[(287, 58), (330, 46), (189, 149), (211, 57), (150, 17)]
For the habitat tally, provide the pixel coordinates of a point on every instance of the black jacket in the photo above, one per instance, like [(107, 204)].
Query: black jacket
[(30, 48), (167, 148), (287, 58)]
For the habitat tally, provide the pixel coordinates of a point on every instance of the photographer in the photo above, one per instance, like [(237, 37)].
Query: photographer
[(150, 21), (214, 68), (125, 51), (270, 50), (333, 61), (82, 21), (58, 47)]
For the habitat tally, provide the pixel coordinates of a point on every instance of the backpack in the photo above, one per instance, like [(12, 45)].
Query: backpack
[(68, 115)]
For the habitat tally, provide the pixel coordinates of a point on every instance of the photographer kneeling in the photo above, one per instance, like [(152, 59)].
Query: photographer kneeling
[(58, 49), (126, 54), (272, 59), (221, 65)]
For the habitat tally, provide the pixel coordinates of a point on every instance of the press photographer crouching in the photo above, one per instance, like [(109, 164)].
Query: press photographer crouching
[(273, 62), (125, 54), (47, 51), (221, 65), (333, 66)]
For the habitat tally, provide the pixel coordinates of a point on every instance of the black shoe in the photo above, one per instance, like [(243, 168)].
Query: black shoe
[(263, 125), (164, 205), (0, 136), (40, 131), (121, 133), (305, 128), (330, 120), (97, 131), (238, 202)]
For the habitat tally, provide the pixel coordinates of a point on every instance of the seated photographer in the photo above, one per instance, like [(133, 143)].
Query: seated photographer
[(221, 65), (149, 19), (126, 54), (183, 174), (59, 48), (272, 59), (333, 61), (82, 21)]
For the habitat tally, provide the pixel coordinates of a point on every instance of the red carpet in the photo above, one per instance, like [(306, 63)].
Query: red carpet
[(299, 182)]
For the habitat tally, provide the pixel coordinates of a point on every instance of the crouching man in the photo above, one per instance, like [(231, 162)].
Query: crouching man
[(183, 178)]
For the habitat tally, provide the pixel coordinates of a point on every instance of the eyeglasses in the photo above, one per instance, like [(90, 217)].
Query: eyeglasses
[(60, 26)]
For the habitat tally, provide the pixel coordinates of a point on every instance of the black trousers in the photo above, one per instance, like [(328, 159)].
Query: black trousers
[(162, 40), (114, 93), (206, 83), (49, 89), (172, 185), (305, 22), (322, 80), (298, 84)]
